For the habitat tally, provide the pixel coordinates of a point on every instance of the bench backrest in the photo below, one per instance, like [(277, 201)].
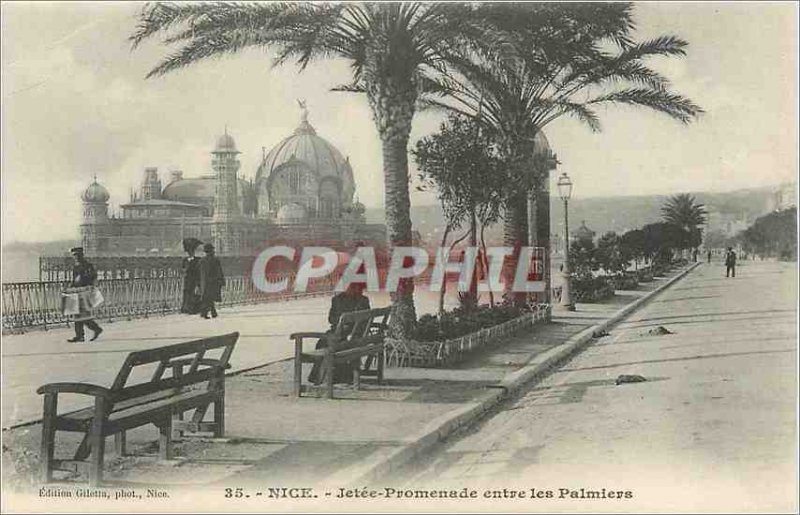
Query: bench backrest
[(367, 325), (175, 358)]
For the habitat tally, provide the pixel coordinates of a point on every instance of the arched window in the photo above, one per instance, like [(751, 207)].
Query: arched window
[(329, 199), (295, 180)]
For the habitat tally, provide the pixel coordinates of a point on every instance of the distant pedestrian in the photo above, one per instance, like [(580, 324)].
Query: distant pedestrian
[(211, 282), (84, 293), (191, 277), (709, 256), (694, 255), (730, 263)]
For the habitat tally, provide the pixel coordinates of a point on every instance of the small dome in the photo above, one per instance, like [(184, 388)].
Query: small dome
[(96, 192), (292, 213), (225, 143)]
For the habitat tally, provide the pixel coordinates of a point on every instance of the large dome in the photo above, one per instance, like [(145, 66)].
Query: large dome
[(96, 192), (200, 190), (317, 154)]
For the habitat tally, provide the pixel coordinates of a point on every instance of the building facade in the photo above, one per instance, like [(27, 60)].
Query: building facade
[(303, 192)]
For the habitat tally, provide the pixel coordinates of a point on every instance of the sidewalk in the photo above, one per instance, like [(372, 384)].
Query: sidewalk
[(276, 439)]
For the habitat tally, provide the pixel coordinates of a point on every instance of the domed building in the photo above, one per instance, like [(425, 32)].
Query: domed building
[(302, 191)]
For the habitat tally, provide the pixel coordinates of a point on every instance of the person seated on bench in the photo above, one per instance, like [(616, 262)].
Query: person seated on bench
[(352, 299)]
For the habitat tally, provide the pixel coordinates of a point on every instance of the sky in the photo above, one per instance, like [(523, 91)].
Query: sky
[(75, 104)]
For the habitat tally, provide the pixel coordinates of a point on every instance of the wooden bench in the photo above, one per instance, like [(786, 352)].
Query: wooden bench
[(358, 334), (131, 402)]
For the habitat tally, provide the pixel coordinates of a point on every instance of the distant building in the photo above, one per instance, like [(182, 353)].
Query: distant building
[(583, 232), (303, 191), (728, 224), (784, 197)]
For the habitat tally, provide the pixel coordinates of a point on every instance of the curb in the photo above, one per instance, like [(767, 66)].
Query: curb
[(373, 470)]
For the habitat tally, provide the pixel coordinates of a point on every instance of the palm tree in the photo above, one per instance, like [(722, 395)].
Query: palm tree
[(390, 46), (682, 211), (555, 60)]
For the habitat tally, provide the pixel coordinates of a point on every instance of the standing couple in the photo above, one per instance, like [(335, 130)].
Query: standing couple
[(203, 279)]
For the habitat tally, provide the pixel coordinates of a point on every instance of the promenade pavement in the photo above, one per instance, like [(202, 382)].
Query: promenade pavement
[(38, 357), (275, 439), (713, 429)]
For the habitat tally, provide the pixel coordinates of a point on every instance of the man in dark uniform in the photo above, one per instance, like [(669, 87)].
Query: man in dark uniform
[(730, 263), (83, 274), (211, 282), (352, 299)]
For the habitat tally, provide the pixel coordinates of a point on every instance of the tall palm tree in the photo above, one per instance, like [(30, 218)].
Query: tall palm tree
[(555, 60), (682, 211), (389, 46)]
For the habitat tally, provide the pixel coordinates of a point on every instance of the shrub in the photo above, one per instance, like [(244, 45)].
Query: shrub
[(625, 281), (589, 289), (459, 322)]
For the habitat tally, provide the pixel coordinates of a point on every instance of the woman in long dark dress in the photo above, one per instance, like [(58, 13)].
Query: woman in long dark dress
[(191, 277)]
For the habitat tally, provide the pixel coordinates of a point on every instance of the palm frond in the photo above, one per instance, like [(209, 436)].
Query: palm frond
[(352, 87), (672, 104), (578, 111)]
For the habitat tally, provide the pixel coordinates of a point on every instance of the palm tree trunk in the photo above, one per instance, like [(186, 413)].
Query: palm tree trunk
[(398, 225), (539, 232), (515, 235), (392, 100)]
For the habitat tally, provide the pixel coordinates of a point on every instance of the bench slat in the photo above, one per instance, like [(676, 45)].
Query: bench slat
[(180, 349), (87, 413), (158, 412), (169, 383)]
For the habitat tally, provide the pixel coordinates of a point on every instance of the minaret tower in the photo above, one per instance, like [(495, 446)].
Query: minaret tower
[(151, 185), (95, 225), (227, 237)]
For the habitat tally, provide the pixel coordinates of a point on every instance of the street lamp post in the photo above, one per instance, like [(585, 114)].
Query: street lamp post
[(565, 191)]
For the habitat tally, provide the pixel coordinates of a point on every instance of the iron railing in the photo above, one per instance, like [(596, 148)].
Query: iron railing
[(38, 304)]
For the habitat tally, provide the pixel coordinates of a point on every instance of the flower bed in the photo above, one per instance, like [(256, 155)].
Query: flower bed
[(443, 352), (625, 281), (592, 289)]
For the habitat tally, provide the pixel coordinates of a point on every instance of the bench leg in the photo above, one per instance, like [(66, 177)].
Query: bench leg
[(97, 442), (357, 375), (83, 450), (327, 366), (381, 363), (219, 416), (120, 443), (177, 434), (298, 368), (48, 436), (165, 440)]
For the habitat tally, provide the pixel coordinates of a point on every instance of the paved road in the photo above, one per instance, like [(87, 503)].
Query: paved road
[(712, 429), (40, 357)]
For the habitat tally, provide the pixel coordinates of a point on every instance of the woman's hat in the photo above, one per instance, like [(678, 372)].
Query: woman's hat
[(190, 244), (208, 247)]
